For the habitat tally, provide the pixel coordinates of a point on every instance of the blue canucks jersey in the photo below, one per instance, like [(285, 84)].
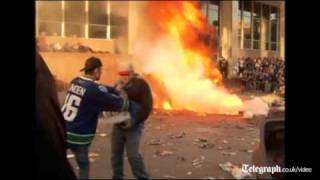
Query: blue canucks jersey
[(84, 101)]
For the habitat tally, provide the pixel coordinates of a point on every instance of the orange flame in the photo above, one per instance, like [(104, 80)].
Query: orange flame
[(180, 59), (166, 105)]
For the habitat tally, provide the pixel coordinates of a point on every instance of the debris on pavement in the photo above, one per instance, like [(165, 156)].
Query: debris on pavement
[(189, 173), (206, 145), (168, 144), (181, 158), (227, 166), (103, 134), (234, 170), (169, 177), (220, 148), (247, 150), (93, 155), (209, 178), (198, 162), (91, 160), (202, 139), (181, 134), (69, 156), (239, 127), (155, 142), (228, 153), (225, 141), (237, 173), (163, 153)]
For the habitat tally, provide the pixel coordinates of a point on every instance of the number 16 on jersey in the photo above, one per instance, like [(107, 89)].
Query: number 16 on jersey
[(70, 107)]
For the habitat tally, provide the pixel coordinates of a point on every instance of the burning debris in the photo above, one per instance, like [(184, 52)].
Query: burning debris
[(178, 63), (180, 66)]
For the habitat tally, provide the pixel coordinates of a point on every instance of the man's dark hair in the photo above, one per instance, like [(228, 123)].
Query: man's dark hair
[(91, 64), (89, 71)]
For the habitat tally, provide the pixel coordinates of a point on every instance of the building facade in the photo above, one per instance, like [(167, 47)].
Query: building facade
[(245, 28)]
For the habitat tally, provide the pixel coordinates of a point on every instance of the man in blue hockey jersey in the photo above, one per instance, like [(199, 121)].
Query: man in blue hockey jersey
[(85, 100)]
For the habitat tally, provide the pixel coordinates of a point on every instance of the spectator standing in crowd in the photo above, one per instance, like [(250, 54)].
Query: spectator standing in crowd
[(223, 67)]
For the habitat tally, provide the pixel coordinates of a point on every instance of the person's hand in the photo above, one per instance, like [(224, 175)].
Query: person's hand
[(123, 94), (119, 85)]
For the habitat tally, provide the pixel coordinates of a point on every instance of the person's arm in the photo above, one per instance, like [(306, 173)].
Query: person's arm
[(108, 102), (112, 90)]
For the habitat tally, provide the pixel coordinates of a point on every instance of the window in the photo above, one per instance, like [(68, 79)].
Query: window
[(118, 19), (256, 25), (274, 14), (75, 18), (97, 31), (50, 28), (274, 19), (82, 18), (74, 30), (256, 10), (240, 13), (204, 8), (49, 11), (97, 19), (49, 17), (98, 12), (247, 23), (213, 14), (266, 17), (75, 11), (256, 33), (265, 11)]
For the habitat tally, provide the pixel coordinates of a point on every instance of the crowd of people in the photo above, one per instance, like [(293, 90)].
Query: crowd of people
[(264, 74)]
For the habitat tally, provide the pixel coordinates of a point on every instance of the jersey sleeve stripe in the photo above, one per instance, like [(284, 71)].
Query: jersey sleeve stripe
[(125, 105), (79, 138)]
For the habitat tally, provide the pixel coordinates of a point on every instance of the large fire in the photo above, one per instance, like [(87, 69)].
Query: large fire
[(179, 61)]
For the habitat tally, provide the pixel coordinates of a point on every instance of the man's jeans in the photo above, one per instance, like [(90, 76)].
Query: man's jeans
[(82, 158), (129, 139)]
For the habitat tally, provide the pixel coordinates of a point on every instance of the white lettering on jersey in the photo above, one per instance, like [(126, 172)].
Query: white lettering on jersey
[(77, 89)]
